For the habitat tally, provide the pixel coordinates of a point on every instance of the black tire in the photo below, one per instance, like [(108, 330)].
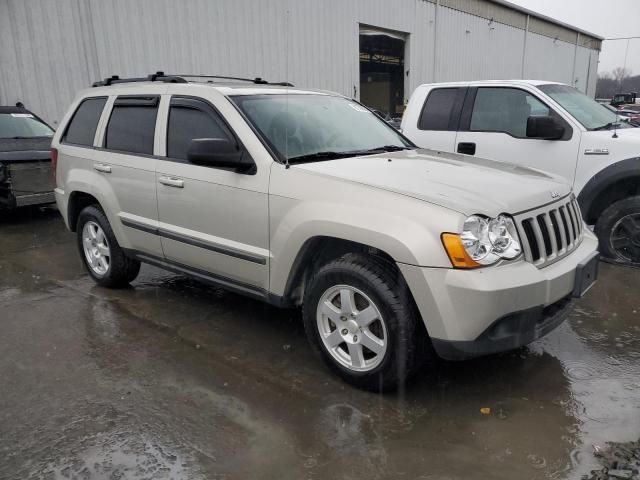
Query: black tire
[(618, 231), (122, 269), (407, 341)]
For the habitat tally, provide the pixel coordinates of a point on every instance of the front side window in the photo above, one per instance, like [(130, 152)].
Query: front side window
[(591, 114), (190, 119), (22, 125), (132, 125), (307, 127), (506, 110), (84, 123), (437, 110)]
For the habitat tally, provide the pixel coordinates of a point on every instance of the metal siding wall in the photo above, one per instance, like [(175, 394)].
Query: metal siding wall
[(547, 59), (43, 54), (486, 52), (53, 48)]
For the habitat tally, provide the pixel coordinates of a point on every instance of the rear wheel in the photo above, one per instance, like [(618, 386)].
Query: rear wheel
[(103, 258), (618, 231), (359, 314)]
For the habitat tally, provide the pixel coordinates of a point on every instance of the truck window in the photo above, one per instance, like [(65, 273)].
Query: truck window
[(132, 125), (189, 119), (437, 110), (506, 110), (84, 123)]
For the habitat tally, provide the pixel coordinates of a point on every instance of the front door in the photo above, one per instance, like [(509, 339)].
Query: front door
[(496, 129), (211, 220)]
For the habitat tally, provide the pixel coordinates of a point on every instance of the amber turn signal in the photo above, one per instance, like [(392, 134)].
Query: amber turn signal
[(457, 254)]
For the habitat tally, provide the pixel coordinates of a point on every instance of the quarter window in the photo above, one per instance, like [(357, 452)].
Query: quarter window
[(189, 119), (132, 125), (505, 110), (438, 108), (84, 123)]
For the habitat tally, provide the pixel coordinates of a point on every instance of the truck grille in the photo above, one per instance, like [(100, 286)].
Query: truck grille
[(550, 233)]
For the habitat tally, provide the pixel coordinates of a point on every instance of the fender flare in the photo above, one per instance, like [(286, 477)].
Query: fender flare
[(604, 179)]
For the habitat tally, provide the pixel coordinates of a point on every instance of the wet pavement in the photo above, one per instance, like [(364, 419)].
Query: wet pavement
[(174, 379)]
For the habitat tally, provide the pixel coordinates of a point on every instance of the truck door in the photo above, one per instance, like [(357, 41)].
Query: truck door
[(493, 125)]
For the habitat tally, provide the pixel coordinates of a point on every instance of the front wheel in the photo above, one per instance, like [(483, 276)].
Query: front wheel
[(618, 231), (359, 314), (103, 258)]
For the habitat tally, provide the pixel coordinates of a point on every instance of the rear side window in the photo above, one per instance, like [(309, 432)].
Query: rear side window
[(438, 109), (84, 123), (132, 125), (189, 119)]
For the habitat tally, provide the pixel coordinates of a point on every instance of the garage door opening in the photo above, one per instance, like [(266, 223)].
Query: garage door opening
[(382, 78)]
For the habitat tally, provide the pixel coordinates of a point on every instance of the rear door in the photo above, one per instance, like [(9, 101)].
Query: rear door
[(212, 220), (125, 160), (434, 125), (493, 125)]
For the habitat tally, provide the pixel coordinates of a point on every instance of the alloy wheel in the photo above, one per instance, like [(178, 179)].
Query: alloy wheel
[(96, 248), (351, 328)]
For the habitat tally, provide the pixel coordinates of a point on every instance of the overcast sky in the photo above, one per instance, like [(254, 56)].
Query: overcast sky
[(607, 18)]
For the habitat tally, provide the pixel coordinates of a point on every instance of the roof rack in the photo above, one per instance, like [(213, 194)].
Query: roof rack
[(162, 77), (154, 77), (256, 80)]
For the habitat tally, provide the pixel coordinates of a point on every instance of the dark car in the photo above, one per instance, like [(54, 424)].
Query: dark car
[(26, 176)]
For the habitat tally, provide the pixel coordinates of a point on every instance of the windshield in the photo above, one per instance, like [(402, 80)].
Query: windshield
[(591, 114), (299, 126), (22, 125)]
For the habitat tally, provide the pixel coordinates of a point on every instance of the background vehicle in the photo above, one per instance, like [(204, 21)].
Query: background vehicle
[(624, 115), (306, 198), (26, 177), (544, 125), (620, 99)]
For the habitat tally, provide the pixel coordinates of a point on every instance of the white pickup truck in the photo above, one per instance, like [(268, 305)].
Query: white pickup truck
[(545, 125)]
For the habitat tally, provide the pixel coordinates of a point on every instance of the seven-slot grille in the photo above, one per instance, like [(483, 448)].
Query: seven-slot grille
[(550, 233)]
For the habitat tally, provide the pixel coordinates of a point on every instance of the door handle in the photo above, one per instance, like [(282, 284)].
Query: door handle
[(468, 148), (172, 182), (101, 167)]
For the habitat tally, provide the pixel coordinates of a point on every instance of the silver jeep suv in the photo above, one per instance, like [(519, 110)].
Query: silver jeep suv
[(307, 199)]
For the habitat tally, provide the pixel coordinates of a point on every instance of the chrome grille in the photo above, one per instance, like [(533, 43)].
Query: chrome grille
[(549, 233)]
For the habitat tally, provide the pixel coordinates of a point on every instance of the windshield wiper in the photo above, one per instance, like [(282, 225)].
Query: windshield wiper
[(327, 155), (331, 155), (607, 126), (389, 148)]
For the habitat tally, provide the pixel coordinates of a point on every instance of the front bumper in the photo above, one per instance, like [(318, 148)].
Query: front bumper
[(470, 313)]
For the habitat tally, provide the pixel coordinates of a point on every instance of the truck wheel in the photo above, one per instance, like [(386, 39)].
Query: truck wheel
[(103, 258), (618, 230), (358, 312)]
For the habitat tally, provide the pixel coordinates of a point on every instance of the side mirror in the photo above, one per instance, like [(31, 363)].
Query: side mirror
[(218, 152), (544, 128)]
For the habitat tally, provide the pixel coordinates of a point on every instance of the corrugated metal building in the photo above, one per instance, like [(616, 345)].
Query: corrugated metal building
[(377, 50)]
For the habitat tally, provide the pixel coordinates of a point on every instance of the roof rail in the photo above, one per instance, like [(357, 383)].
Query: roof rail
[(154, 77), (256, 80), (179, 78)]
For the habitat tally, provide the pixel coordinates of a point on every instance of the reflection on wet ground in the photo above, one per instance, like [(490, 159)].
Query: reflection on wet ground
[(173, 379)]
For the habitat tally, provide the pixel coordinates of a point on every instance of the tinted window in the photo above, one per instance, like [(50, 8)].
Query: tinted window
[(132, 125), (437, 109), (505, 110), (189, 119), (84, 123)]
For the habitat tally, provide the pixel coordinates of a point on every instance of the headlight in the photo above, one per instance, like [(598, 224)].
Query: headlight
[(483, 241)]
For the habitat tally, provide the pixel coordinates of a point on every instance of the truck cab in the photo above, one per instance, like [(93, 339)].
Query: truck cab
[(545, 125)]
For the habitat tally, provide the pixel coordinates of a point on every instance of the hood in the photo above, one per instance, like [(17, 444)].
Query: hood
[(466, 184), (24, 149)]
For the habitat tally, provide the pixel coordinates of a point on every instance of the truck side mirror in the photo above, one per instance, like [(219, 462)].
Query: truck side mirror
[(544, 128)]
